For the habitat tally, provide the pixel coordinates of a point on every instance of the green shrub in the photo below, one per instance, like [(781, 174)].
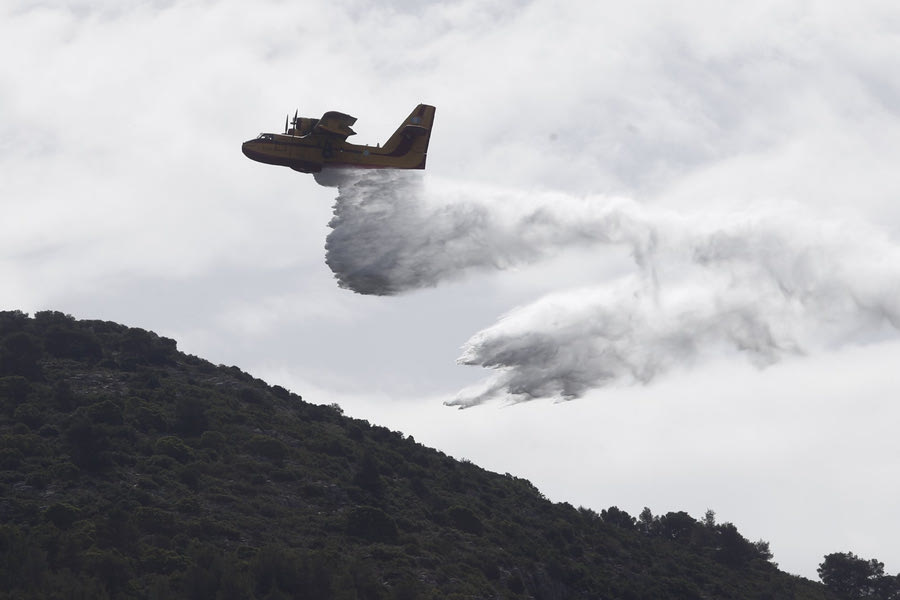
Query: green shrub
[(19, 355), (190, 416), (62, 515), (371, 524), (109, 567), (105, 411), (14, 390), (87, 443), (150, 418), (155, 520), (158, 560), (29, 413), (175, 447), (64, 471), (10, 459), (268, 447), (190, 474), (464, 519), (212, 439), (62, 341)]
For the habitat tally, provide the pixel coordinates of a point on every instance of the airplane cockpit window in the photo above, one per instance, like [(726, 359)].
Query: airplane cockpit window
[(268, 137)]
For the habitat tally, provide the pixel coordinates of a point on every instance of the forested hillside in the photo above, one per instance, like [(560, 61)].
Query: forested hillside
[(131, 470)]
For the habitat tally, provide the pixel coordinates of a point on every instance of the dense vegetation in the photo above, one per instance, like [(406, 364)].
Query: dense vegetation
[(851, 577), (131, 470)]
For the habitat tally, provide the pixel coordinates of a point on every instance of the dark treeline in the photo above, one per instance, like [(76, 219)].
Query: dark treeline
[(722, 542), (131, 470)]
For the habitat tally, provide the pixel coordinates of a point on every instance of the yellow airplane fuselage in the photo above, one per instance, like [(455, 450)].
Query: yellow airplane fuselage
[(325, 146)]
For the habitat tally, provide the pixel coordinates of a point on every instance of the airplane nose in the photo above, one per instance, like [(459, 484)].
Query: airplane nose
[(247, 148)]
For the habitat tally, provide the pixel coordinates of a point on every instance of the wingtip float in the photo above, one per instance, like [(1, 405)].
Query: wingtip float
[(310, 145)]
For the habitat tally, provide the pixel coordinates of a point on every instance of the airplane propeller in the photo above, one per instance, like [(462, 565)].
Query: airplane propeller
[(294, 123)]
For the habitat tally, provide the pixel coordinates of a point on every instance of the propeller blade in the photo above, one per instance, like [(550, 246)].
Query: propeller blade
[(286, 122)]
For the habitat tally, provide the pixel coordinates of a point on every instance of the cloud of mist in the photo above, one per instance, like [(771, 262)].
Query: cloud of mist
[(764, 284), (392, 232), (763, 287)]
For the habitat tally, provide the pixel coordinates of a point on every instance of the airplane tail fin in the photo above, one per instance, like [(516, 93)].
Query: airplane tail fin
[(412, 137)]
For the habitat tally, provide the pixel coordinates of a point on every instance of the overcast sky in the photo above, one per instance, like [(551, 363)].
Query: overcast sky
[(655, 254)]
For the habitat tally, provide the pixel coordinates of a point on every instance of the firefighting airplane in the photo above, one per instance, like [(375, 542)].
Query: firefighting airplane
[(309, 145)]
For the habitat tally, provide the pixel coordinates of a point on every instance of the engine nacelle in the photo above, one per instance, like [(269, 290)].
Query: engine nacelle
[(302, 126)]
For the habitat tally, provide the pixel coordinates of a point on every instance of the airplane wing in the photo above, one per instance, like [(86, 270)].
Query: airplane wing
[(335, 124)]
